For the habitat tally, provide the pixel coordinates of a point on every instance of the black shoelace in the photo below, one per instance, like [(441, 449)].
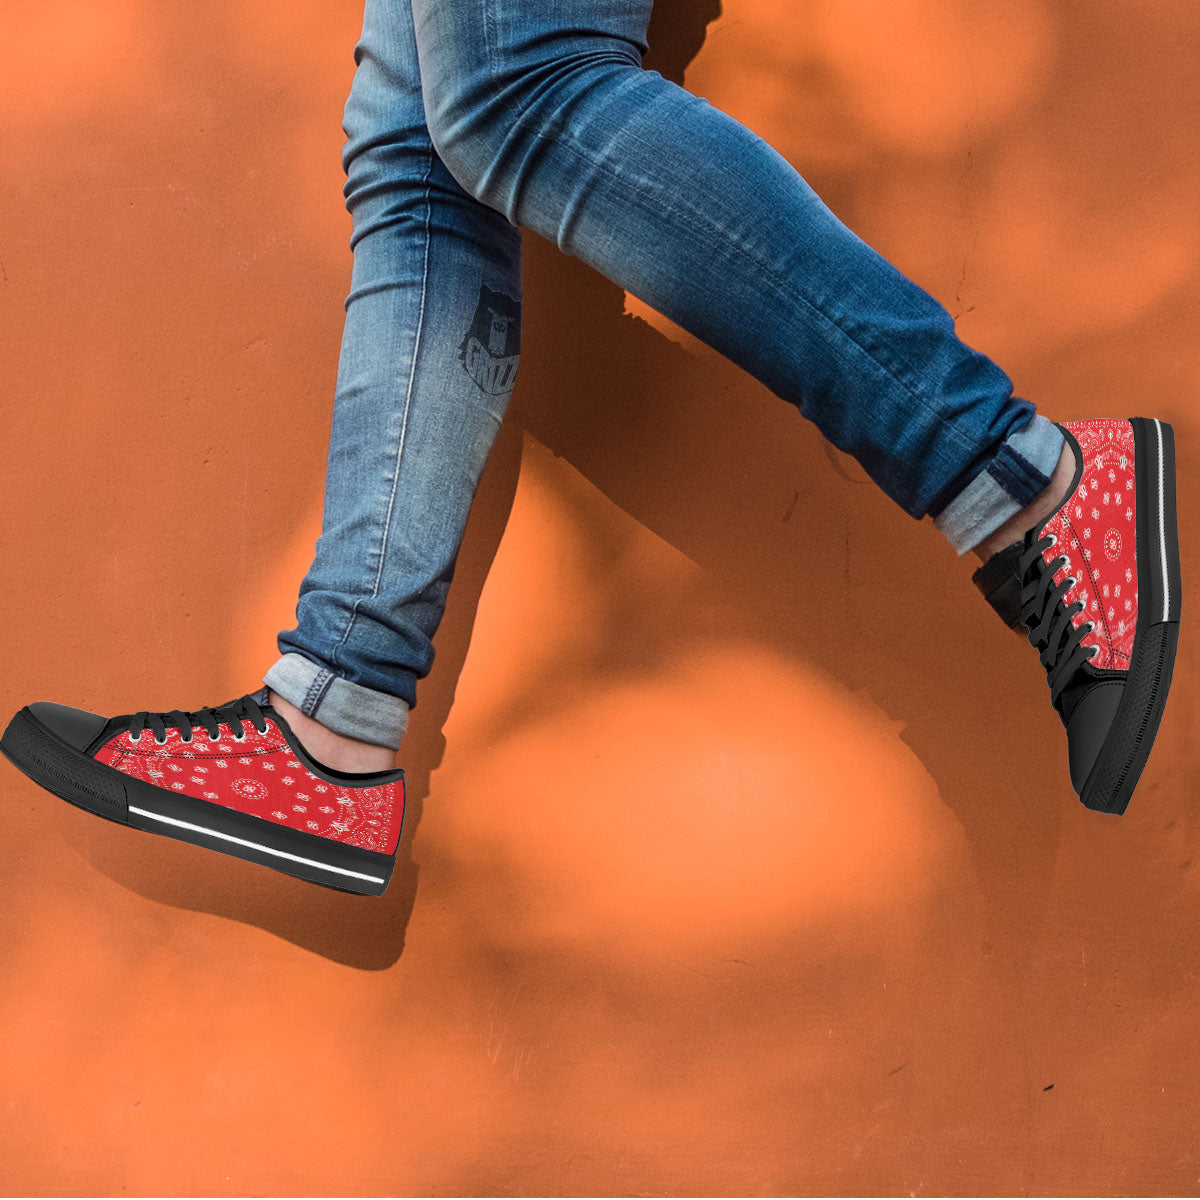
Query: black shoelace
[(234, 714), (1051, 631)]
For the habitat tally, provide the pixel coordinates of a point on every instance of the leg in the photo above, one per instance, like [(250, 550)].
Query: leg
[(428, 360), (548, 117)]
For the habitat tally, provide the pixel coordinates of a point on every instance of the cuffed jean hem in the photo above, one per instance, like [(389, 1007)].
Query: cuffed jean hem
[(346, 708), (1018, 473)]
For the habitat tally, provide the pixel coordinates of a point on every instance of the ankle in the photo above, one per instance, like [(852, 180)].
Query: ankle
[(333, 749), (1036, 512)]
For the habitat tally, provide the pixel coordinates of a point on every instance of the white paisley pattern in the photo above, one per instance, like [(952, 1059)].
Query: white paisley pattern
[(1096, 530), (261, 776)]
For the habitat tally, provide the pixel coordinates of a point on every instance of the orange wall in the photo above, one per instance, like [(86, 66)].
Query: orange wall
[(741, 855)]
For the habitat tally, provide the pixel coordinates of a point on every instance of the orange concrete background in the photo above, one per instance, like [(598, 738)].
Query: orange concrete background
[(741, 856)]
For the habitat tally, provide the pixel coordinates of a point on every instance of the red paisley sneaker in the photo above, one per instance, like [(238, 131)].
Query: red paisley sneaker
[(1096, 588), (232, 778)]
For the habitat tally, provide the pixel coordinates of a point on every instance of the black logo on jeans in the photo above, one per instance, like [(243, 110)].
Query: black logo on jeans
[(492, 346)]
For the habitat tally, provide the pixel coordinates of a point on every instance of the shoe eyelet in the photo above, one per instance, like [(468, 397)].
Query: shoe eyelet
[(187, 741), (135, 740), (240, 737), (1093, 651), (214, 739), (1053, 540), (1072, 581), (158, 743), (1089, 627)]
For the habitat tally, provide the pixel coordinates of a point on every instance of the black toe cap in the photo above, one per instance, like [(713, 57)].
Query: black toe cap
[(75, 726), (1089, 725)]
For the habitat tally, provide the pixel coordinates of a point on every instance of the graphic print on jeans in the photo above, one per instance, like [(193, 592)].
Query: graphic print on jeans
[(491, 348)]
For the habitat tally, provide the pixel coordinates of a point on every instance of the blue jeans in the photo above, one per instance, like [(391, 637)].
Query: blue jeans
[(470, 118)]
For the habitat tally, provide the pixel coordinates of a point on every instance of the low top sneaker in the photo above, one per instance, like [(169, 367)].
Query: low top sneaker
[(1096, 589), (232, 777)]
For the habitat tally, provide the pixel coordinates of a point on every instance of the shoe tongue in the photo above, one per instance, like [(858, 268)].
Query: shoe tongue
[(1000, 582)]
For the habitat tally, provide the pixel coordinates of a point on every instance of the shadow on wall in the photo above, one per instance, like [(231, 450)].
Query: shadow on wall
[(800, 554), (724, 705)]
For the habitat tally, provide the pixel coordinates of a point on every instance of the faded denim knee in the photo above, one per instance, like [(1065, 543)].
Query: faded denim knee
[(493, 98)]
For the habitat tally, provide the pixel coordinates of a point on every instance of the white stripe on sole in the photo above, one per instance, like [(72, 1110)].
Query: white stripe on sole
[(228, 837), (1162, 525)]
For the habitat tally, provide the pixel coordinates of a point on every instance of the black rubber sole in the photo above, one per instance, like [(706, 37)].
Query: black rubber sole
[(1113, 777), (106, 792)]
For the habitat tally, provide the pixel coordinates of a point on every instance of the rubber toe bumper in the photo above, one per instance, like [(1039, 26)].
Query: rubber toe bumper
[(1089, 726), (75, 726)]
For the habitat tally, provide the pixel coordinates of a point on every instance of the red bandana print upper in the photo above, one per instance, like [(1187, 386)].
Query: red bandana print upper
[(1096, 531), (262, 777)]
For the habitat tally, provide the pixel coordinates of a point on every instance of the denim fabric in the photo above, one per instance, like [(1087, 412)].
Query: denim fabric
[(470, 119)]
